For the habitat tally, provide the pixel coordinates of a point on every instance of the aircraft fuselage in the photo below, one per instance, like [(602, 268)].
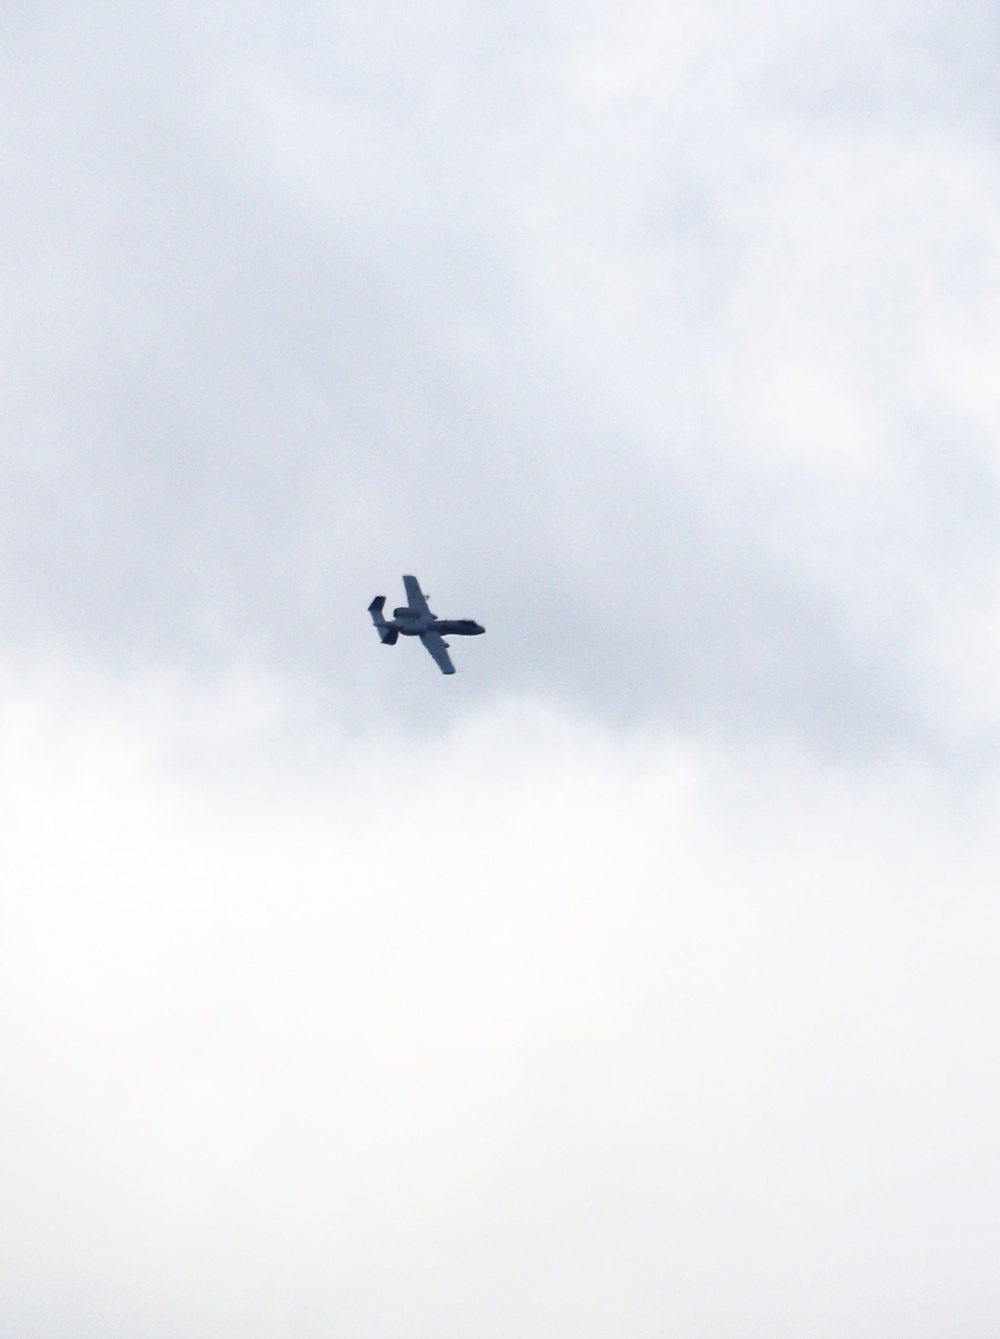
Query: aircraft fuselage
[(413, 624)]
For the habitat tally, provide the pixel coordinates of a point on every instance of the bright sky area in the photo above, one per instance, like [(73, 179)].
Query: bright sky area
[(640, 979)]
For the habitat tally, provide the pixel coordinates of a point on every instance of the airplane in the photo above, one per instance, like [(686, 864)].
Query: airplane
[(416, 620)]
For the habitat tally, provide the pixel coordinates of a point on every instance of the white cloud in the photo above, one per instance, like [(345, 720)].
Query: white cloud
[(529, 1028), (640, 979)]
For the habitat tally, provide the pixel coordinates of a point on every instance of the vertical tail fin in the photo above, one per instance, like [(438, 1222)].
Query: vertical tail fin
[(387, 634)]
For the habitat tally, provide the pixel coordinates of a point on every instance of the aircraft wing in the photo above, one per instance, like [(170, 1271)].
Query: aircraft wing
[(415, 597), (438, 648)]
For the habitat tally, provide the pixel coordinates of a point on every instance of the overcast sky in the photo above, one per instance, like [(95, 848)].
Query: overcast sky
[(640, 980)]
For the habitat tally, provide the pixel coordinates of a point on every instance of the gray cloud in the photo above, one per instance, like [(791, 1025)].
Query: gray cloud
[(517, 301), (619, 330), (644, 981)]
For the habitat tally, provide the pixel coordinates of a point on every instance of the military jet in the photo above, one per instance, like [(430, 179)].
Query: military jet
[(416, 620)]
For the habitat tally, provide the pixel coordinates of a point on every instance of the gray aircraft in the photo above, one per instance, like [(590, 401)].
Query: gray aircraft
[(416, 620)]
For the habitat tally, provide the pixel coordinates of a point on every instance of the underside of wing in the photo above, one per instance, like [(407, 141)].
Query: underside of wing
[(415, 597), (438, 648)]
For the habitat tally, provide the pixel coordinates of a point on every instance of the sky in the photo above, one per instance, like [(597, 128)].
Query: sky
[(639, 979)]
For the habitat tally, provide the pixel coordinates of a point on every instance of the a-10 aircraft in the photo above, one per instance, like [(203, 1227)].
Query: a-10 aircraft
[(416, 620)]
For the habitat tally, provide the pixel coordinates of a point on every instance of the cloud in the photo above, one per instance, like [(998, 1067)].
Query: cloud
[(641, 976), (647, 338), (522, 1030)]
